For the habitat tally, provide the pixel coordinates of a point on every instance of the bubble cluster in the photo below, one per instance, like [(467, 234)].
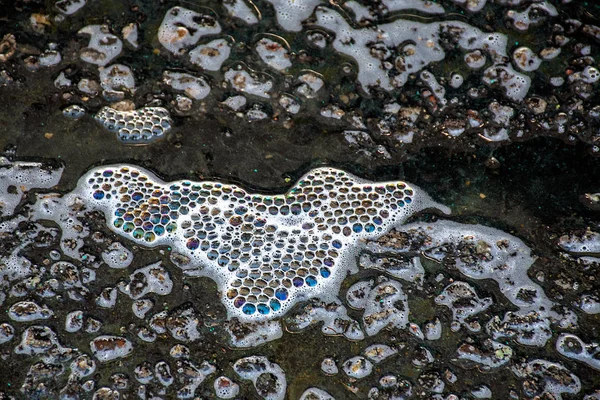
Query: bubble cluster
[(136, 127), (265, 252)]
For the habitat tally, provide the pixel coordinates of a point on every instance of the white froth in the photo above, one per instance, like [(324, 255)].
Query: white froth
[(17, 178), (117, 78), (212, 55), (291, 13), (241, 10), (107, 348), (103, 46), (334, 317), (242, 81), (526, 59), (371, 49), (379, 352), (426, 6), (251, 368), (25, 311), (507, 264), (195, 87), (274, 54), (315, 394), (357, 367), (182, 28), (573, 347), (225, 388), (151, 279), (253, 334), (553, 378), (312, 223), (117, 256), (69, 7), (461, 298), (141, 307)]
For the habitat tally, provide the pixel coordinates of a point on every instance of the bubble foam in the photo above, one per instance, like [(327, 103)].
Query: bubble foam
[(266, 253)]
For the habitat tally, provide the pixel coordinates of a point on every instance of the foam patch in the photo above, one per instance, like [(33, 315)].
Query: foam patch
[(266, 253)]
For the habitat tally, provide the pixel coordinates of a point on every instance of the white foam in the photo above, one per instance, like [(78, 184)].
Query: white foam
[(253, 334), (498, 256), (241, 10), (151, 279), (315, 394), (525, 59), (357, 367), (461, 298), (585, 243), (386, 306), (7, 332), (69, 7), (117, 78), (333, 315), (379, 352), (242, 81), (273, 53), (371, 49), (225, 388), (571, 346), (103, 46), (19, 177), (291, 13), (107, 298), (25, 311), (117, 256), (107, 348), (329, 367), (307, 229), (212, 55), (195, 87), (491, 355), (182, 28), (141, 307), (553, 378), (251, 368)]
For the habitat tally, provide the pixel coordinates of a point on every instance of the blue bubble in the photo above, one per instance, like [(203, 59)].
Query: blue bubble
[(298, 282), (357, 228), (137, 196), (263, 309), (159, 230), (311, 281), (408, 200), (98, 195), (337, 244), (249, 309), (369, 228), (275, 305), (193, 243), (325, 273), (281, 294), (108, 173)]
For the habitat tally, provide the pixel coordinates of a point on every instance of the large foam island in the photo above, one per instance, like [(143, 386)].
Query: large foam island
[(265, 252)]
